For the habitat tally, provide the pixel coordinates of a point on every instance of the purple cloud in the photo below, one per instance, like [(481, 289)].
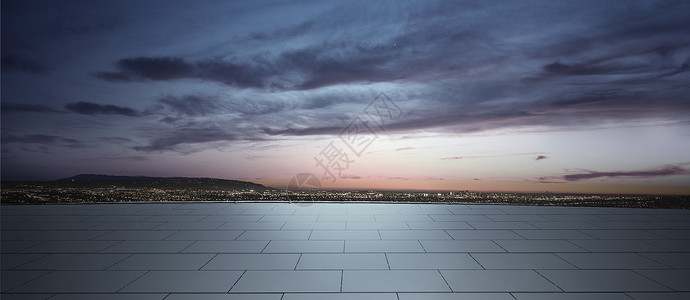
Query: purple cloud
[(669, 170)]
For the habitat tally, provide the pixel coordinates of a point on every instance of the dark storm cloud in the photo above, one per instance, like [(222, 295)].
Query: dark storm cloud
[(88, 108), (193, 105), (172, 140), (21, 107), (460, 68), (153, 68), (304, 131), (170, 68), (12, 62), (660, 172), (43, 139)]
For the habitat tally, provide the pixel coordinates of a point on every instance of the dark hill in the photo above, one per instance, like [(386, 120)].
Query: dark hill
[(169, 183)]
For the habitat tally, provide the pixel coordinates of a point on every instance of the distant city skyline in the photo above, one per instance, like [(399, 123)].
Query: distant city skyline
[(529, 96)]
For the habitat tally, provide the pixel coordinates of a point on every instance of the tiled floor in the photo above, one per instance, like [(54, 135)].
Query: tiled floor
[(283, 251)]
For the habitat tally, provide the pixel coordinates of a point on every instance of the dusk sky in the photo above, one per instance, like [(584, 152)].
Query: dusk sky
[(573, 96)]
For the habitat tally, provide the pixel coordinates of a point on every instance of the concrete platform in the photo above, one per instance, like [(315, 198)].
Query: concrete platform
[(342, 251)]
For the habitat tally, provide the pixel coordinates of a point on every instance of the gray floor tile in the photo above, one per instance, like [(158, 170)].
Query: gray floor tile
[(511, 217), (461, 246), (659, 296), (377, 225), (70, 235), (80, 282), (621, 234), (501, 225), (189, 226), (66, 262), (163, 211), (678, 280), (671, 245), (642, 252), (431, 261), (611, 261), (538, 246), (184, 281), (226, 247), (600, 281), (402, 218), (346, 218), (204, 235), (314, 226), (439, 225), (339, 261), (574, 218), (185, 218), (341, 296), (677, 234), (253, 262), (383, 246), (616, 246), (13, 260), (163, 261), (289, 218), (224, 297), (672, 225), (16, 235), (12, 279), (553, 234), (414, 235), (109, 296), (341, 235), (571, 296), (458, 218), (251, 226), (17, 246), (475, 211), (230, 218), (304, 247), (565, 225), (268, 235), (70, 247), (488, 234), (455, 296), (393, 281), (132, 235), (147, 247), (673, 260), (626, 225), (27, 296), (635, 218), (126, 226), (521, 261), (497, 281), (288, 281)]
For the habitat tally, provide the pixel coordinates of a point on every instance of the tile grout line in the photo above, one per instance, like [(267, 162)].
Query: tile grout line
[(446, 281), (645, 276), (25, 283), (117, 262), (475, 260), (135, 279), (206, 263), (551, 282), (298, 260), (236, 281)]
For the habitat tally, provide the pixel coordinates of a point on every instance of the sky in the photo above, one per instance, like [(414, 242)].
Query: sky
[(563, 96)]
